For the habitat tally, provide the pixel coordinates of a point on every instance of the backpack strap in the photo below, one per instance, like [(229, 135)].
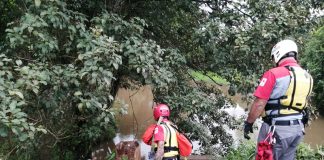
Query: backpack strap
[(176, 128)]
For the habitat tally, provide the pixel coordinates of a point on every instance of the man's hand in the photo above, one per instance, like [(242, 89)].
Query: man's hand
[(247, 129)]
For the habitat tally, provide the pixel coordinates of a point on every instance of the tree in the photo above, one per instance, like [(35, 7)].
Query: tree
[(313, 59), (60, 72), (238, 36), (62, 63), (8, 7)]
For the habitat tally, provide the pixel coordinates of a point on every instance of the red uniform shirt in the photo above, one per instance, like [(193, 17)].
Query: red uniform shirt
[(268, 80), (159, 133)]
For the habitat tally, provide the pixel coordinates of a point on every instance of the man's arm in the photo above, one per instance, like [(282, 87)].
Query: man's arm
[(160, 150), (256, 109)]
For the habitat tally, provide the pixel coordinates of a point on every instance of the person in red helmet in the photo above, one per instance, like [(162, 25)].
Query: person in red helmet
[(165, 138)]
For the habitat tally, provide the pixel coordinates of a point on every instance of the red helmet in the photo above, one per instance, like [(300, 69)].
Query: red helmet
[(161, 110)]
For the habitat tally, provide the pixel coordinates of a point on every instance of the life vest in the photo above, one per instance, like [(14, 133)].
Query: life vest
[(170, 141), (295, 98)]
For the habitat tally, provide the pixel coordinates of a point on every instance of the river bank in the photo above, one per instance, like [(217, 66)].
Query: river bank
[(132, 125)]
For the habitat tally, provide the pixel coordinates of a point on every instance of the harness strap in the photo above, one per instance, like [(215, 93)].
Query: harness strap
[(168, 149), (282, 97), (279, 106), (181, 132), (294, 88)]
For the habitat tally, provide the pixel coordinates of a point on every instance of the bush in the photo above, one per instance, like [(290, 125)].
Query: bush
[(313, 59), (245, 151), (304, 151)]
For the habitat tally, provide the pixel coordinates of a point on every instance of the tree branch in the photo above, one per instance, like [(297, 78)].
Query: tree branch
[(251, 17)]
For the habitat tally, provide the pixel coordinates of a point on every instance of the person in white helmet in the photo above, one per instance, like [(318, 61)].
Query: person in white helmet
[(281, 99)]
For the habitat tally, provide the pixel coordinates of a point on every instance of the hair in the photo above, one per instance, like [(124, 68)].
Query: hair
[(289, 54)]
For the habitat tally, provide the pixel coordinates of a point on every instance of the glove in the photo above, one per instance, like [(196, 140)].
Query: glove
[(305, 117), (247, 129)]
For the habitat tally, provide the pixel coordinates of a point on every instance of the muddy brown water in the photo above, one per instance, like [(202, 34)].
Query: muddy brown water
[(315, 133), (131, 126)]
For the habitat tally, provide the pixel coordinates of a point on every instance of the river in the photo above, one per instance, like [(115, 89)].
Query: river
[(314, 133), (131, 126)]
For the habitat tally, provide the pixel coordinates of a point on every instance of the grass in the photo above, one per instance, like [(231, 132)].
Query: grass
[(209, 77)]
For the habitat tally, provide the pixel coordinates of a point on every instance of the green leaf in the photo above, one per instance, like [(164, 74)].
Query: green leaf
[(80, 56), (32, 128), (18, 93), (18, 62), (42, 130), (80, 107), (21, 103), (115, 65), (15, 131), (37, 3), (13, 105), (35, 90), (3, 132), (15, 121), (77, 93), (23, 137)]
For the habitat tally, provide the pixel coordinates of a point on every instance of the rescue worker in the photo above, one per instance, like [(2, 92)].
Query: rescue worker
[(281, 100), (165, 135)]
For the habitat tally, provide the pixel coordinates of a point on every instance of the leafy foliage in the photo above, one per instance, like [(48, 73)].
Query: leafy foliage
[(62, 63), (198, 111), (304, 151), (209, 77), (8, 7), (245, 151), (238, 36), (313, 58), (59, 77)]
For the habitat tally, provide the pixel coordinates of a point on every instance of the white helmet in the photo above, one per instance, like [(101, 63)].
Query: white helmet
[(282, 48)]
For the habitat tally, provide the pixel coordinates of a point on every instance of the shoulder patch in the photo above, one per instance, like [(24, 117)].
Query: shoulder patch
[(263, 81), (156, 130)]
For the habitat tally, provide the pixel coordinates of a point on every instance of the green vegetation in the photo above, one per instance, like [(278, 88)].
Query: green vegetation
[(313, 59), (304, 151), (208, 77), (246, 151), (62, 62)]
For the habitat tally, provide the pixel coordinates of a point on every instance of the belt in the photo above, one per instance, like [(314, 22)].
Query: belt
[(171, 158), (287, 122)]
